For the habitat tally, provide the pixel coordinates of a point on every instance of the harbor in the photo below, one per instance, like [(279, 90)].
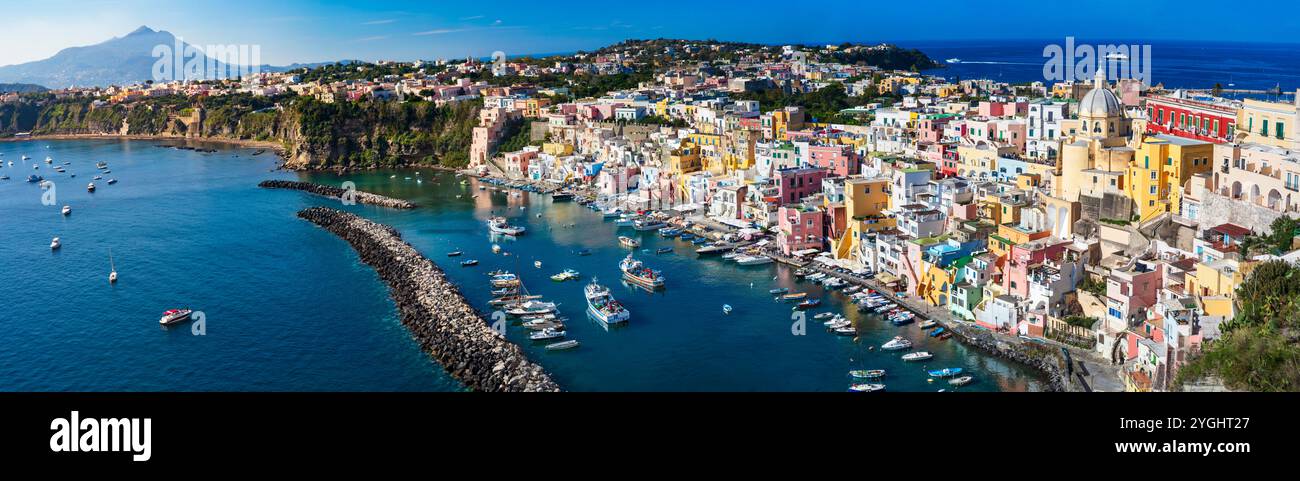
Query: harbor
[(713, 325)]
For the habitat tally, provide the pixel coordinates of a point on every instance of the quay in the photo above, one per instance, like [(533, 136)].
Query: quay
[(338, 193), (433, 309)]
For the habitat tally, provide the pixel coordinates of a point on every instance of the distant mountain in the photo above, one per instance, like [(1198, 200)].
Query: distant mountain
[(119, 61), (21, 88)]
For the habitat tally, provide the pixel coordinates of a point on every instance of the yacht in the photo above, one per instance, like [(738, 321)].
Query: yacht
[(55, 244), (917, 356), (90, 187), (112, 181), (635, 272), (101, 165), (953, 60), (629, 242), (34, 178), (545, 334), (753, 260), (648, 223), (67, 210), (174, 316), (602, 305), (897, 343), (498, 225), (562, 345), (112, 270)]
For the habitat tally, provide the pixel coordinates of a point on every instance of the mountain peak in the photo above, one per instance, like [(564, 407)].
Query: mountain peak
[(143, 30)]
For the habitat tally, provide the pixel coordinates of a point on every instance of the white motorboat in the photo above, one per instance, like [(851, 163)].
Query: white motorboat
[(754, 260), (67, 210), (547, 333), (562, 345), (961, 381), (866, 387), (917, 356), (897, 343), (55, 244), (174, 316), (498, 225)]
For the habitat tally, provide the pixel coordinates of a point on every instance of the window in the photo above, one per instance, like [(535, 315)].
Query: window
[(1264, 130), (1280, 129)]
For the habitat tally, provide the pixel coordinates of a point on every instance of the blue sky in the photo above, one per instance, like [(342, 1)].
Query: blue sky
[(308, 31)]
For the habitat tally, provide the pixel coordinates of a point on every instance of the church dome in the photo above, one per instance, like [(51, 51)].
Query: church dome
[(1100, 101)]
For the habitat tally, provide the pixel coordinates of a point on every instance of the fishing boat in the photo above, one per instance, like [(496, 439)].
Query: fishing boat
[(866, 387), (927, 324), (514, 300), (897, 343), (469, 262), (917, 356), (648, 224), (937, 332), (611, 213), (546, 334), (794, 296), (561, 196), (837, 323), (726, 308), (945, 372), (715, 248), (90, 187), (602, 305), (537, 264), (852, 289), (110, 181), (868, 373), (626, 220), (174, 316), (498, 225), (583, 252), (4, 177), (778, 291), (945, 335), (824, 315), (496, 248), (686, 236), (67, 210), (807, 304), (670, 232), (635, 272), (505, 280), (454, 253), (55, 244), (663, 250), (629, 242), (34, 178), (567, 275), (846, 331), (961, 381), (101, 165), (902, 319), (530, 308), (562, 345)]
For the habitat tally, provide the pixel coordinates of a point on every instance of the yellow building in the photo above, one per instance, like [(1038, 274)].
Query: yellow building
[(1161, 168), (533, 107), (1269, 123), (894, 82), (865, 201), (1218, 278), (557, 149), (684, 159)]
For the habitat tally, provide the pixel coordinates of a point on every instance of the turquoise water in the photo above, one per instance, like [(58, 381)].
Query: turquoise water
[(289, 307)]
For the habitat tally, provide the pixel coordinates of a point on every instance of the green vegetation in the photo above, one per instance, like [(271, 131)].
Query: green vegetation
[(517, 135), (1260, 347), (1282, 235), (1118, 222), (1081, 321), (1094, 287), (822, 105)]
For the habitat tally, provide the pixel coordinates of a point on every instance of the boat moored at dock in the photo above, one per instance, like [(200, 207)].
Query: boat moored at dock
[(635, 272)]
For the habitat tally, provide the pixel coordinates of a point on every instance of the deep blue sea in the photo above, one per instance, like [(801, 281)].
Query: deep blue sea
[(1176, 64), (288, 306)]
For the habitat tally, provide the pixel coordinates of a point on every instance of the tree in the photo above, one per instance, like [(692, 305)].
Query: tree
[(1218, 90)]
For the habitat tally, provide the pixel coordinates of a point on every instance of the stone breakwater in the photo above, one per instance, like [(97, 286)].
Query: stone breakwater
[(338, 193), (433, 309), (1044, 359)]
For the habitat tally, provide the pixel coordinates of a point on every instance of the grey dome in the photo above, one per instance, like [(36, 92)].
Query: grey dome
[(1100, 102)]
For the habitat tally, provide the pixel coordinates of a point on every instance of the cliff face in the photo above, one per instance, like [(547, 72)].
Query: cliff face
[(315, 135)]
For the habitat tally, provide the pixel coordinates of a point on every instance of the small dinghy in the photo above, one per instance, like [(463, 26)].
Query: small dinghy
[(946, 372), (468, 263), (454, 253), (726, 308), (917, 356), (868, 373), (961, 381)]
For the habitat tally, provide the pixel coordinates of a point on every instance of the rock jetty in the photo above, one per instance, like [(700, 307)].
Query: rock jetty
[(338, 193), (434, 310)]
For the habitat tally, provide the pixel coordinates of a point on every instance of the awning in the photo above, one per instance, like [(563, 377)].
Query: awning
[(687, 207), (886, 278)]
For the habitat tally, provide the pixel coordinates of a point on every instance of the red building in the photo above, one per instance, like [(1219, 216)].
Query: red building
[(1200, 119)]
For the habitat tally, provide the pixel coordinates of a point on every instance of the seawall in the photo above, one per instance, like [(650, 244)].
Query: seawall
[(338, 193), (434, 310)]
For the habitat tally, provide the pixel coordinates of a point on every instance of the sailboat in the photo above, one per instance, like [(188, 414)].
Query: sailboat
[(112, 273)]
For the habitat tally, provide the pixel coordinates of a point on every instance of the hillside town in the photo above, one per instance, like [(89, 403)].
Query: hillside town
[(1105, 215)]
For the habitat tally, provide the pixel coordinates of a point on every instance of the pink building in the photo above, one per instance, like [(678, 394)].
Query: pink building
[(1003, 109), (1023, 256), (931, 129), (800, 227), (839, 159), (796, 183)]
